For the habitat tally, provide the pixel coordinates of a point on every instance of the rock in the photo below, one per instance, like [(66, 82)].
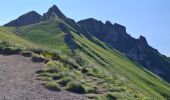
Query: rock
[(52, 13), (116, 36), (26, 19)]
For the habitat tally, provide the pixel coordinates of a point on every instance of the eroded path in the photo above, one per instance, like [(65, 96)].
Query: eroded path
[(18, 81)]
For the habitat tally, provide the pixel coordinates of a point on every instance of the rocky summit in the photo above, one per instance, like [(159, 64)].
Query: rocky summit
[(26, 19), (52, 12)]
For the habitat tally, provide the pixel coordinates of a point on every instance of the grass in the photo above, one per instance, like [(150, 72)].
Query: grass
[(45, 34), (75, 87), (13, 39), (115, 61), (94, 69), (52, 86)]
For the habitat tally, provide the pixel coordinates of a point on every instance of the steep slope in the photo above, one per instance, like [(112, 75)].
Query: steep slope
[(119, 66), (7, 36), (98, 70), (137, 49), (47, 34)]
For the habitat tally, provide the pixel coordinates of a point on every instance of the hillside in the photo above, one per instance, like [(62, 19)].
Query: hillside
[(116, 36), (81, 63)]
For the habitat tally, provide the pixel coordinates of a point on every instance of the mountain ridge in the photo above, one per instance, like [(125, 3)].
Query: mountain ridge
[(83, 54), (31, 17), (114, 35), (139, 50)]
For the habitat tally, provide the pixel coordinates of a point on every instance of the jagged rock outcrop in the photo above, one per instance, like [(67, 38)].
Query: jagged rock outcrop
[(116, 36), (52, 13), (26, 19)]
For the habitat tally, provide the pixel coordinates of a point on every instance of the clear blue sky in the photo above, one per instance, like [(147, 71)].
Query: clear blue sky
[(150, 18)]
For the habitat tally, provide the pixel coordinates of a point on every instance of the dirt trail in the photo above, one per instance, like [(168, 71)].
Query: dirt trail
[(18, 81)]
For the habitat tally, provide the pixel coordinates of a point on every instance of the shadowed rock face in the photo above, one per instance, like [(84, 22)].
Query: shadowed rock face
[(33, 17), (26, 19), (53, 12), (116, 36)]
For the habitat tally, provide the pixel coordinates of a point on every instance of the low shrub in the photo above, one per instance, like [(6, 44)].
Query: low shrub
[(52, 70), (84, 70), (26, 53), (10, 50), (110, 96), (37, 50), (58, 76), (52, 86), (39, 58), (91, 90), (64, 81), (40, 71), (75, 87)]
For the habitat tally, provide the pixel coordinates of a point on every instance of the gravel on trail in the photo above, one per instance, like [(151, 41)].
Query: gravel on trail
[(18, 81)]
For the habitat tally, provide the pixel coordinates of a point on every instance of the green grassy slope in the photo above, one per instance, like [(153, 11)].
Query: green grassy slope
[(99, 71), (46, 34), (117, 63), (13, 39)]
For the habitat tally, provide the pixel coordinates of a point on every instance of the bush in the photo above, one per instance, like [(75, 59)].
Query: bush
[(64, 81), (110, 96), (39, 58), (58, 76), (52, 86), (53, 70), (26, 53), (54, 64), (80, 61), (4, 44), (10, 50), (84, 70), (91, 90), (75, 87), (37, 51)]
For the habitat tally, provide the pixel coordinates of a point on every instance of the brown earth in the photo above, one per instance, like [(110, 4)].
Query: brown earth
[(18, 81)]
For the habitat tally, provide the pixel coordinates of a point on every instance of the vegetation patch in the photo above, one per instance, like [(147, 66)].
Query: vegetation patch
[(52, 86), (39, 58), (75, 87), (64, 81), (110, 96), (27, 53)]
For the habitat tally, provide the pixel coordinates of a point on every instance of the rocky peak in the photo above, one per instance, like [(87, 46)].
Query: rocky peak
[(108, 24), (26, 19), (90, 21), (119, 28), (92, 25), (52, 12), (142, 40)]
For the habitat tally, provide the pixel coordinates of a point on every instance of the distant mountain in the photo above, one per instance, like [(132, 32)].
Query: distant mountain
[(116, 36), (105, 61), (26, 19), (53, 12)]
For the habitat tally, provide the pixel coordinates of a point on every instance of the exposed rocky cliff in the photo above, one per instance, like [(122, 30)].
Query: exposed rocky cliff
[(116, 36), (52, 13)]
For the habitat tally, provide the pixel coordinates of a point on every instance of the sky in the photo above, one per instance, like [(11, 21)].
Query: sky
[(149, 18)]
